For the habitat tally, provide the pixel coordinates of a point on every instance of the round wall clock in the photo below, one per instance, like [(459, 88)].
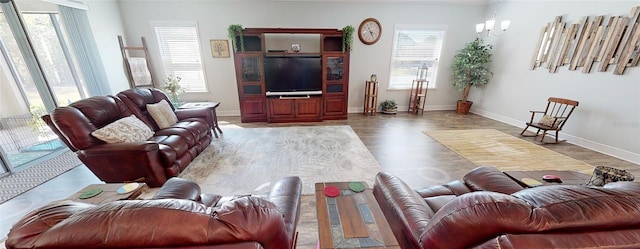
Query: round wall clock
[(369, 31)]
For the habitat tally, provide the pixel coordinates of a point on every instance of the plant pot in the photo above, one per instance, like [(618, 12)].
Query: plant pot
[(393, 110), (463, 107)]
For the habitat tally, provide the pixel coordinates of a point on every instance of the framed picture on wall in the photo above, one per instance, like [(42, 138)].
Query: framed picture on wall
[(220, 48)]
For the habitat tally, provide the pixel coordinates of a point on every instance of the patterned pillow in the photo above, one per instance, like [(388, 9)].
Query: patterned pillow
[(125, 130), (162, 113), (548, 121)]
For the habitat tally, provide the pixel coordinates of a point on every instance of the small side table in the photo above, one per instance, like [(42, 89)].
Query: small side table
[(212, 106), (371, 98), (418, 96)]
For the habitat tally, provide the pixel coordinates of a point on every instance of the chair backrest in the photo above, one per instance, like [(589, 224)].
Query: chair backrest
[(137, 99), (561, 108), (75, 122)]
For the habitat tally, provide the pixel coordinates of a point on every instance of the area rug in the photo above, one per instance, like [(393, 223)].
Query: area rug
[(250, 160), (505, 152), (19, 182)]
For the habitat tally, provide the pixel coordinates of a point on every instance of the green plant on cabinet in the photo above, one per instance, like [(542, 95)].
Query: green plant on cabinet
[(235, 32), (347, 38)]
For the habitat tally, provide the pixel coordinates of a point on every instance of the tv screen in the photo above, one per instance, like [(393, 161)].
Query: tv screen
[(293, 74)]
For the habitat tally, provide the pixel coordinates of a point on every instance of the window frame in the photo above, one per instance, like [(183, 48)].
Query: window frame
[(433, 70), (203, 86)]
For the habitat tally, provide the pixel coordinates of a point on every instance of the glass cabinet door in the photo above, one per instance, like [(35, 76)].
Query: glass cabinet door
[(335, 68), (251, 69)]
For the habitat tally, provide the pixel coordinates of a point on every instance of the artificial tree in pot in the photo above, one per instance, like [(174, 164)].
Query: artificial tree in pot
[(471, 68)]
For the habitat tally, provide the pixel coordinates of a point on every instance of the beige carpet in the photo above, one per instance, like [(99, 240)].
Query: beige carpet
[(250, 160), (505, 152)]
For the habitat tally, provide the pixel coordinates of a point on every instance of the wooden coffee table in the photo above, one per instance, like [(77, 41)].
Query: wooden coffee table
[(351, 220), (108, 194), (568, 177)]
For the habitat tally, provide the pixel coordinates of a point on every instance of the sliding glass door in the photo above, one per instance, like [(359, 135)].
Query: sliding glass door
[(40, 75)]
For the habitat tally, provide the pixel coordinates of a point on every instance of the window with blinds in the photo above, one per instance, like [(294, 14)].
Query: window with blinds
[(413, 47), (181, 55)]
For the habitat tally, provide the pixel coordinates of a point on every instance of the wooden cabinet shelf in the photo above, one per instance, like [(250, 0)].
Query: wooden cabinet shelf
[(291, 54), (256, 106)]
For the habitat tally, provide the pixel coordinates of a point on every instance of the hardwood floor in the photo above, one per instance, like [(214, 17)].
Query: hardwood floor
[(396, 141)]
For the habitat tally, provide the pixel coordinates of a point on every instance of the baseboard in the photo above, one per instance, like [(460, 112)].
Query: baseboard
[(406, 108), (595, 146)]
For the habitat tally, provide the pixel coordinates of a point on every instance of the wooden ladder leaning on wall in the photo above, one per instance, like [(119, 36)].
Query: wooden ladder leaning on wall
[(138, 68)]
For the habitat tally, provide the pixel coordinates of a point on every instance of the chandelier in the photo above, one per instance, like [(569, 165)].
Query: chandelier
[(489, 24)]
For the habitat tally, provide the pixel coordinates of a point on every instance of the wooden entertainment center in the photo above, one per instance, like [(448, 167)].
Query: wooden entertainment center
[(258, 104)]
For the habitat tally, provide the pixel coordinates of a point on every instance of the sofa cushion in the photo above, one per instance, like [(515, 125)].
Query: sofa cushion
[(125, 130), (162, 113)]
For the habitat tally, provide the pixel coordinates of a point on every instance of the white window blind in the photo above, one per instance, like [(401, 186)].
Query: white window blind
[(414, 46), (180, 51)]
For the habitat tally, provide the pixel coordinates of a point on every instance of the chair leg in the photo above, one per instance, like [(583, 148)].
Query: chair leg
[(544, 133), (557, 141), (525, 130)]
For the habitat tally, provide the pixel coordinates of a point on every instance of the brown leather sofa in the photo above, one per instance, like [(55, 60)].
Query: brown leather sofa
[(167, 153), (178, 216), (489, 210)]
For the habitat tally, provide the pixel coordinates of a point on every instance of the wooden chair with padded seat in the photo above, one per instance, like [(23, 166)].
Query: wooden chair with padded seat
[(553, 118)]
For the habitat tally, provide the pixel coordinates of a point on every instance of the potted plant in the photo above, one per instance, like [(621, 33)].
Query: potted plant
[(347, 38), (389, 106), (470, 68), (173, 88), (235, 32)]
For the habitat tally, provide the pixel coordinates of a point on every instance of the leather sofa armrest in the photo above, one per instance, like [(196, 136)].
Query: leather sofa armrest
[(133, 160), (116, 148), (202, 113), (178, 188), (406, 212), (286, 195), (488, 178), (47, 120)]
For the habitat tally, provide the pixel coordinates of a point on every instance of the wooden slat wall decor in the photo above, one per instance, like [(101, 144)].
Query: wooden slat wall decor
[(607, 41)]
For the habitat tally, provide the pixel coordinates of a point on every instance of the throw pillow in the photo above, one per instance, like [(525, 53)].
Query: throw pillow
[(162, 113), (548, 121), (125, 130)]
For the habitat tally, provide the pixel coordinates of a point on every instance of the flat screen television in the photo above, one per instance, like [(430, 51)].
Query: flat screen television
[(293, 74)]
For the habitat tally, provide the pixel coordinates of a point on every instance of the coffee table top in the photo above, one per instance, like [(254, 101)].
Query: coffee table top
[(351, 219), (568, 177), (109, 193)]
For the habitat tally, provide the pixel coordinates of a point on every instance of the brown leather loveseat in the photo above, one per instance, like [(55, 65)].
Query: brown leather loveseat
[(178, 216), (489, 210), (161, 154)]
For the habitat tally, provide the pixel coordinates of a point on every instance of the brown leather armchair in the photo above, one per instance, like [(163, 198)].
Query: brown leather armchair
[(486, 210), (162, 156), (178, 216)]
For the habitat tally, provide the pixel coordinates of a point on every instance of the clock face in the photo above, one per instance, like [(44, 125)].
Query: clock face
[(369, 31)]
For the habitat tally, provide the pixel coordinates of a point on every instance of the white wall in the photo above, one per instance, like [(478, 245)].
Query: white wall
[(608, 117), (106, 23), (607, 120), (214, 17)]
